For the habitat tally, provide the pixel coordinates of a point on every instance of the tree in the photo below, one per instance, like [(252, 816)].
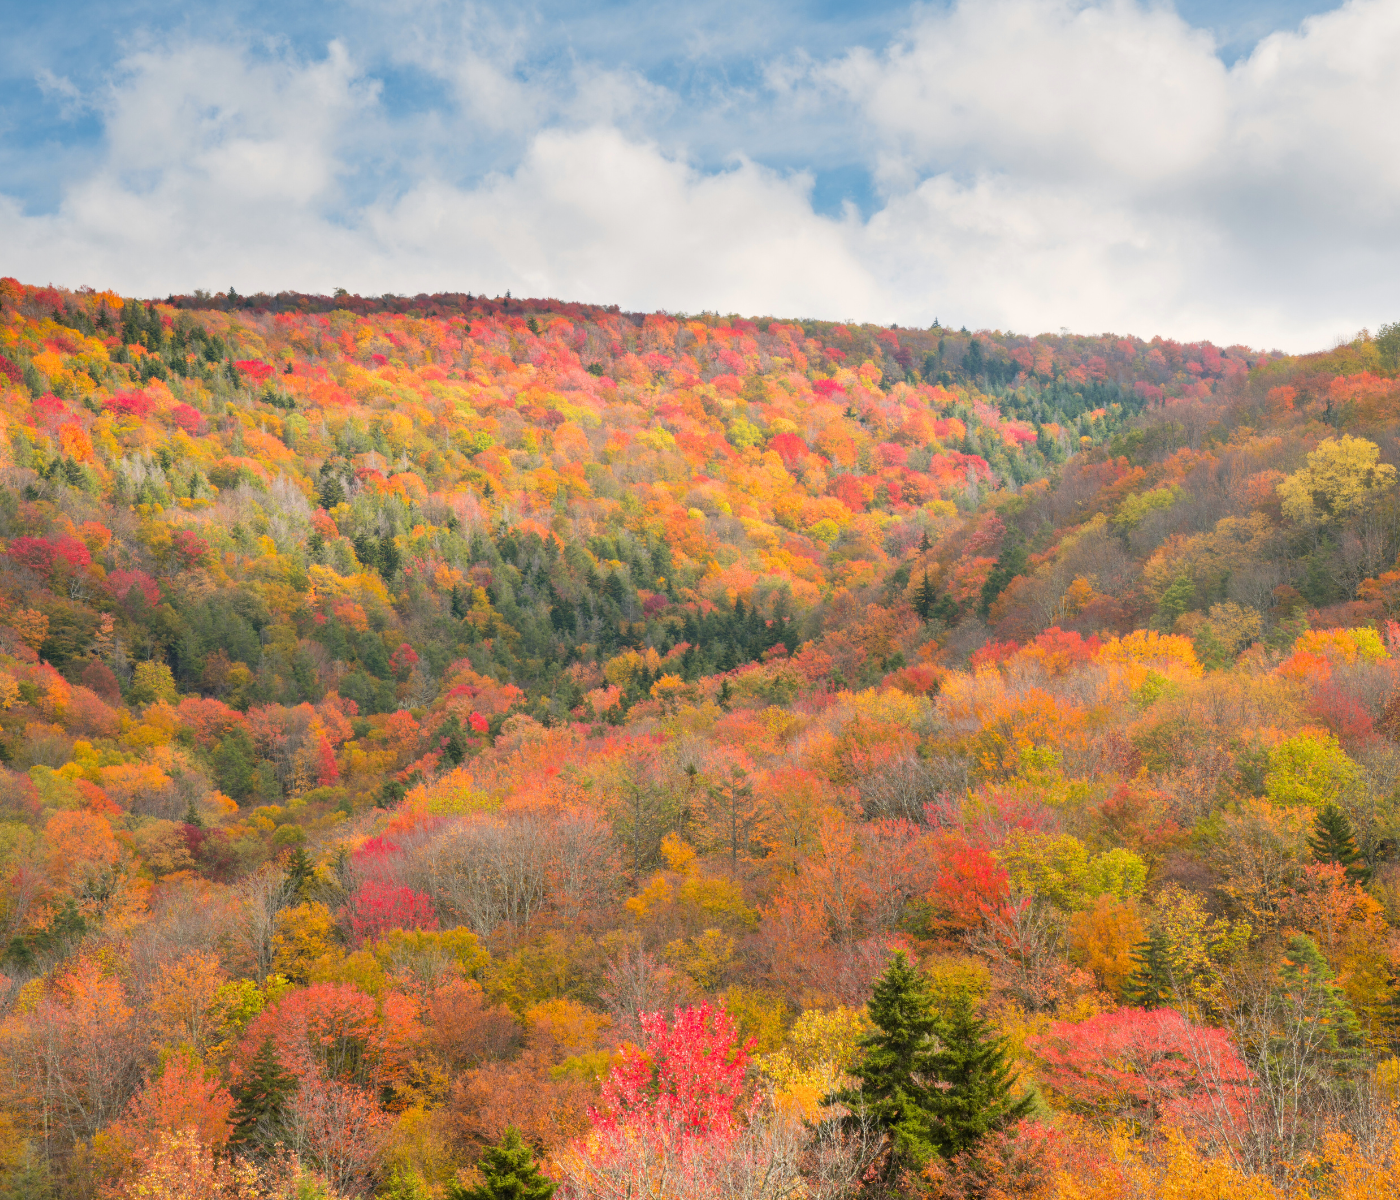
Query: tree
[(1332, 841), (1138, 1066), (926, 596), (689, 1079), (261, 1098), (378, 908), (980, 1099), (1343, 475), (896, 1077), (1388, 346), (732, 816), (1306, 973), (936, 1083), (1149, 986), (508, 1172)]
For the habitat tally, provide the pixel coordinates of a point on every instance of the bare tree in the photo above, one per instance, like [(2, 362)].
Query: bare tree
[(487, 872), (261, 896)]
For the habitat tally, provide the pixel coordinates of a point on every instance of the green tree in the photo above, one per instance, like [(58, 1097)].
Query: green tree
[(236, 763), (894, 1078), (1388, 343), (925, 597), (1307, 978), (981, 1097), (405, 1186), (28, 1180), (260, 1099), (1013, 561), (1176, 600), (1332, 841), (1149, 986), (935, 1083), (300, 873), (508, 1172)]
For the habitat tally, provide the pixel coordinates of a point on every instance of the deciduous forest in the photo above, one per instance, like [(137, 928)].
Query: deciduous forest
[(481, 747)]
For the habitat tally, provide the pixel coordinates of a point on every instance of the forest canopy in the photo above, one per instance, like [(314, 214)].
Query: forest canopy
[(452, 744)]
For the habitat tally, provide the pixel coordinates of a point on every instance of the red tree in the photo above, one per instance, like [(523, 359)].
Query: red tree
[(688, 1080), (377, 908), (1136, 1064)]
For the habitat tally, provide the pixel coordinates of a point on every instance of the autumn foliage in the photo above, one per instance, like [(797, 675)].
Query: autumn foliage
[(427, 718)]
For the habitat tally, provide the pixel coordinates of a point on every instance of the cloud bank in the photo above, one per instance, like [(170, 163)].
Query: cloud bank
[(1036, 164)]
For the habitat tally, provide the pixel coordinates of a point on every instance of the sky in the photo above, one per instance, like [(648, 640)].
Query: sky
[(1226, 170)]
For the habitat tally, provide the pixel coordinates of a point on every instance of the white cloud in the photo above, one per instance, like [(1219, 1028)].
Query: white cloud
[(1062, 91), (1042, 163), (593, 215)]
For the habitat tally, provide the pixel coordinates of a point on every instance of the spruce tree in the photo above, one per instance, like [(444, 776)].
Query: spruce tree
[(1304, 971), (1149, 986), (260, 1098), (980, 1099), (896, 1073), (1332, 841), (508, 1172), (300, 873), (936, 1083), (925, 599)]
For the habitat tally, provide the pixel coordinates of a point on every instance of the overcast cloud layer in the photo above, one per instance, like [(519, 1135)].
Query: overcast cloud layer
[(1026, 165)]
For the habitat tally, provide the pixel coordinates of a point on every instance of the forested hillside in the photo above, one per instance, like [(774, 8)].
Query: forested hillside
[(427, 718)]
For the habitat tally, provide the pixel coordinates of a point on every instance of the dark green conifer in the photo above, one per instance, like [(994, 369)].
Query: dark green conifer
[(1149, 986), (925, 598), (982, 1095), (260, 1099), (508, 1172), (1332, 841), (897, 1070), (935, 1083), (1305, 970), (300, 873)]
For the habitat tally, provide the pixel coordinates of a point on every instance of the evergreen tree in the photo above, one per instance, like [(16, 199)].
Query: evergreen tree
[(935, 1083), (1148, 986), (28, 1179), (896, 1073), (1306, 971), (331, 491), (925, 598), (260, 1099), (508, 1172), (402, 1186), (1332, 841), (300, 873), (981, 1097)]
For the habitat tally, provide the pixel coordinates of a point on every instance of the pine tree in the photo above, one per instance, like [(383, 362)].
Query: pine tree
[(981, 1097), (1148, 986), (508, 1172), (408, 1186), (260, 1099), (1332, 841)]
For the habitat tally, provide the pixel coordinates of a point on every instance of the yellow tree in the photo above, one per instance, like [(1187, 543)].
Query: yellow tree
[(1343, 475)]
